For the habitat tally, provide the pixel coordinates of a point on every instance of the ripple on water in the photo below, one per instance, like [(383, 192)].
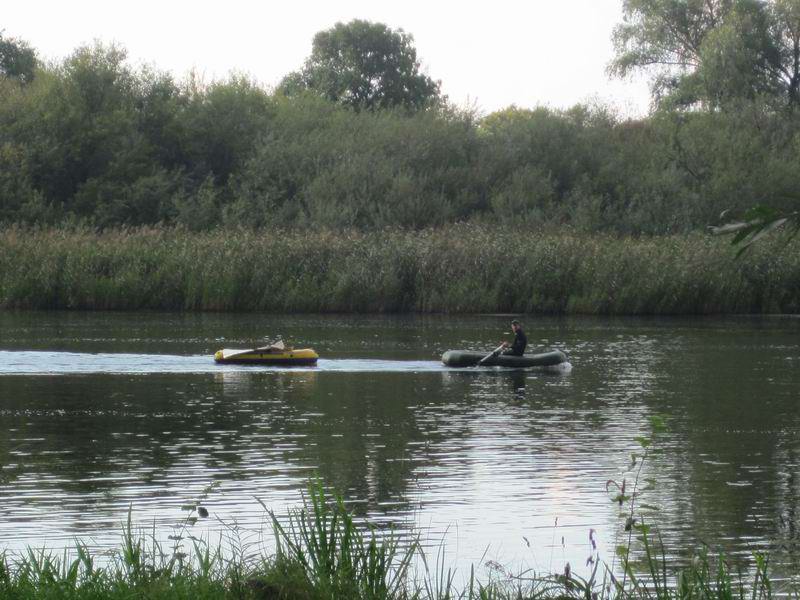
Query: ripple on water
[(509, 466)]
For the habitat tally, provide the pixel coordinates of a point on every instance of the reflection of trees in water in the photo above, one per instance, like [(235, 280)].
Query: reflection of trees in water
[(361, 433), (358, 433), (373, 436), (723, 476), (81, 431), (786, 507)]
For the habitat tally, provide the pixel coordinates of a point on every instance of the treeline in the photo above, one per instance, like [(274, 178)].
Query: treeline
[(92, 140), (359, 138), (455, 269)]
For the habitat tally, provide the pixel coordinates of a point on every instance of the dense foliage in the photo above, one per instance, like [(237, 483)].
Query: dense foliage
[(92, 140)]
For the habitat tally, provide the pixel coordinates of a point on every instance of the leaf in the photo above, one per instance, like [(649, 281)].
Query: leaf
[(658, 424), (761, 212), (728, 228), (644, 442), (759, 221), (763, 231)]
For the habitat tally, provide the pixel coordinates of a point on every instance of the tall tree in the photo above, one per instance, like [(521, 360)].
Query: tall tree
[(17, 59), (364, 65), (712, 51), (786, 31)]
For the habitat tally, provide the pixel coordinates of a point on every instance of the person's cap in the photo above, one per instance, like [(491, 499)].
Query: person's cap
[(515, 322)]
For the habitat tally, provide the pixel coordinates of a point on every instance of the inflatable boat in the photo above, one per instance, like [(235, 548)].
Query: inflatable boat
[(466, 358), (275, 354)]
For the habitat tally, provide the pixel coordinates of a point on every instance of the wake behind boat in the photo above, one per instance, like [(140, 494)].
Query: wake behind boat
[(466, 358)]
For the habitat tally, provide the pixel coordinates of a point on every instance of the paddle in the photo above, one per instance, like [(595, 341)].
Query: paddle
[(492, 354), (272, 347)]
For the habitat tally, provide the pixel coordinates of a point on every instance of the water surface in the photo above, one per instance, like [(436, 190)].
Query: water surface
[(102, 412)]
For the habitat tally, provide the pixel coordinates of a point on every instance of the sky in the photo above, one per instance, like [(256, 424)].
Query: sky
[(488, 54)]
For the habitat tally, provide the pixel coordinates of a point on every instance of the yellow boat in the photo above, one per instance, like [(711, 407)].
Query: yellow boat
[(274, 354)]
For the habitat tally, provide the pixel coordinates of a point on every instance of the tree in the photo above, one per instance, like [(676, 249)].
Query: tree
[(712, 51), (664, 34), (17, 59), (220, 125), (364, 65), (786, 32)]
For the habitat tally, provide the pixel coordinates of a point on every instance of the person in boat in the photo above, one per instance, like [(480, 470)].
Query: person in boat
[(517, 348)]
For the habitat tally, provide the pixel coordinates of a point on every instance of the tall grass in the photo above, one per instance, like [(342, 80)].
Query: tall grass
[(461, 268), (329, 554), (322, 553)]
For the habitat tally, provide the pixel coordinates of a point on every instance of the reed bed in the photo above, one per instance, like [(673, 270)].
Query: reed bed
[(456, 269)]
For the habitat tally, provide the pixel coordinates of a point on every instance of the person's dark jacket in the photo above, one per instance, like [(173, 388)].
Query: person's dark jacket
[(520, 341)]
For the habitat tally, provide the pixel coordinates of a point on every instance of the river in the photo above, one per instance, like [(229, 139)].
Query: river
[(103, 413)]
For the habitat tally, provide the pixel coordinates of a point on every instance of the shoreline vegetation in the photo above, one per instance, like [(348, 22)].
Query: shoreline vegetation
[(464, 268), (357, 186), (322, 553)]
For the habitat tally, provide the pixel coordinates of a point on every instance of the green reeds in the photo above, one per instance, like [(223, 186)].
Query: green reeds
[(332, 556), (322, 553), (457, 269)]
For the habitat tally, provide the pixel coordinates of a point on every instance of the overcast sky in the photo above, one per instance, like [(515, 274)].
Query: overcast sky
[(489, 53)]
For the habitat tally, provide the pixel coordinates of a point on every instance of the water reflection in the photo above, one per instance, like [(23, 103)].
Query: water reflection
[(493, 457)]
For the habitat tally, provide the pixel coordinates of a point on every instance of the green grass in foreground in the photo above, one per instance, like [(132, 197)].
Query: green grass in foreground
[(322, 554), (463, 268)]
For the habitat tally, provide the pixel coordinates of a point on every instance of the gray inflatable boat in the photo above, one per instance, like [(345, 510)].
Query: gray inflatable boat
[(465, 358)]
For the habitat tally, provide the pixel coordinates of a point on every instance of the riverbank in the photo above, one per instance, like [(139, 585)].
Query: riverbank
[(321, 553), (457, 269)]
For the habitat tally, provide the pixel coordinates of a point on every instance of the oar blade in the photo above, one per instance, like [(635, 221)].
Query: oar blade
[(491, 355)]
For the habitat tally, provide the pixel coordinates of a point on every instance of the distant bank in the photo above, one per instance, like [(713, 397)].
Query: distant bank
[(457, 269)]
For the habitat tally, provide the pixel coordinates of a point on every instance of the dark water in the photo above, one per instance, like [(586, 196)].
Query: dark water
[(102, 412)]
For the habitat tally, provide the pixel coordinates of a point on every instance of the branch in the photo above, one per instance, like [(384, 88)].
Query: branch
[(761, 221)]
